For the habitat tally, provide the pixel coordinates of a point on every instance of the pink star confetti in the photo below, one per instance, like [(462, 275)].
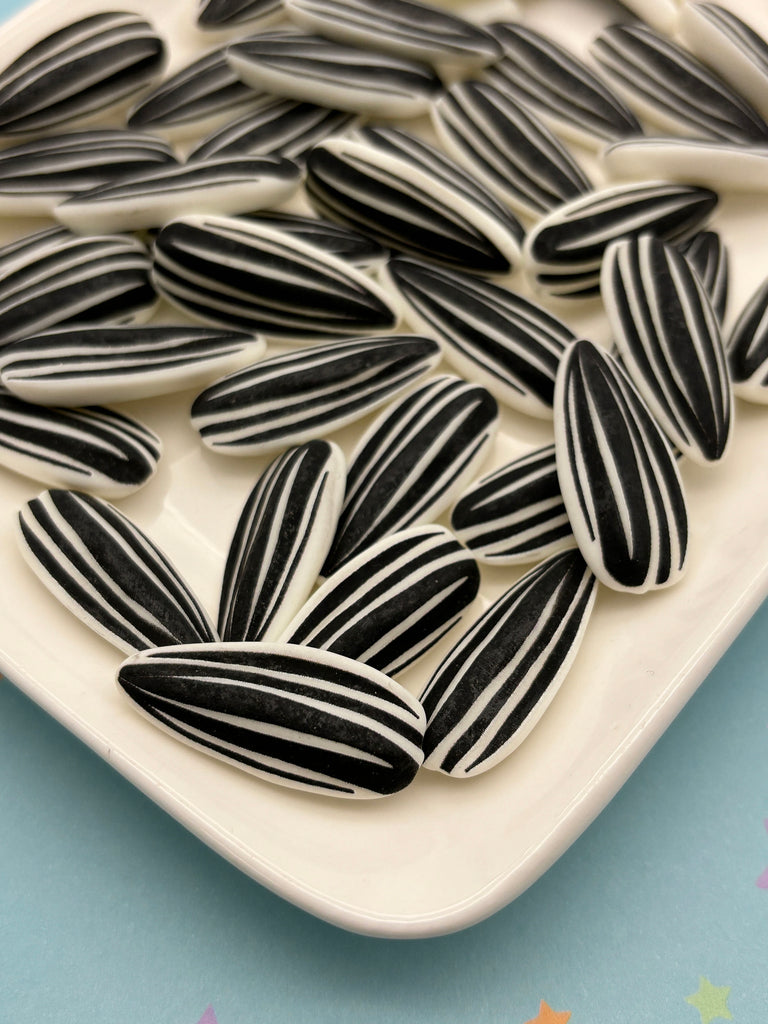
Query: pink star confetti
[(209, 1017)]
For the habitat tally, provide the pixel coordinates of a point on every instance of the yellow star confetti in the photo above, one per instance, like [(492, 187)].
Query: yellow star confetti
[(547, 1015), (711, 1001)]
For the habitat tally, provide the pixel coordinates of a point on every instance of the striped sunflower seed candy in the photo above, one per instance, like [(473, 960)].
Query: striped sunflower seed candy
[(280, 541), (731, 47), (108, 573), (564, 251), (291, 715), (671, 88), (538, 74), (409, 208), (618, 476), (92, 449), (669, 339), (516, 513), (219, 14), (393, 602), (311, 68), (220, 185), (507, 149), (492, 688), (55, 278), (490, 334), (747, 348), (708, 256), (78, 70), (197, 97), (35, 176), (412, 462), (73, 366), (417, 31), (308, 393), (274, 127), (236, 273)]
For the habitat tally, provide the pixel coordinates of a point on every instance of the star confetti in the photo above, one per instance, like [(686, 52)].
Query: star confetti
[(209, 1017), (547, 1015), (762, 881), (711, 1001)]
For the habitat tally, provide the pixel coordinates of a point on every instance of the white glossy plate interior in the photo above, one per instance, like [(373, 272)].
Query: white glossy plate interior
[(442, 854)]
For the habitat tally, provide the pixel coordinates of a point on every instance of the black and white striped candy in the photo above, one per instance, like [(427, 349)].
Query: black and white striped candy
[(91, 365), (337, 240), (409, 208), (618, 475), (318, 70), (490, 334), (108, 573), (709, 258), (516, 513), (280, 541), (726, 166), (292, 715), (730, 47), (393, 602), (307, 393), (54, 278), (747, 348), (92, 449), (78, 70), (493, 687), (507, 149), (36, 175), (221, 185), (219, 14), (563, 91), (665, 84), (668, 337), (408, 28), (412, 462), (233, 272), (195, 98), (563, 252), (274, 127)]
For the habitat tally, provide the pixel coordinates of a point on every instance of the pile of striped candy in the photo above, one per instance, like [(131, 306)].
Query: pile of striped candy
[(175, 196)]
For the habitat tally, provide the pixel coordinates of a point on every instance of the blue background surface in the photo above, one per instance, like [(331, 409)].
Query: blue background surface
[(110, 913)]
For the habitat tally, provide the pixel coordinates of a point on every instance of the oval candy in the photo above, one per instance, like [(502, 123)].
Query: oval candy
[(280, 541), (55, 278), (91, 449), (78, 70), (91, 365), (709, 258), (308, 67), (516, 513), (393, 602), (667, 85), (307, 393), (413, 460), (507, 149), (407, 207), (108, 573), (220, 185), (240, 274), (537, 73), (292, 715), (747, 348), (618, 476), (274, 127), (35, 176), (669, 340), (492, 688), (563, 252), (490, 334), (417, 31), (337, 240)]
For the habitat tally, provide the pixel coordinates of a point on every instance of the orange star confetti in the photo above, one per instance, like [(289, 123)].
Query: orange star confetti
[(547, 1015)]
